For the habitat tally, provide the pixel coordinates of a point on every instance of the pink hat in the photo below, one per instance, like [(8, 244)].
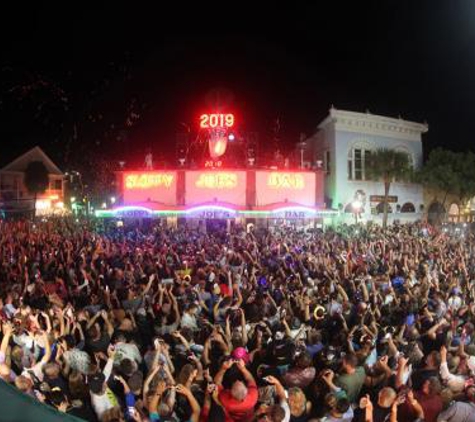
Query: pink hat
[(241, 353)]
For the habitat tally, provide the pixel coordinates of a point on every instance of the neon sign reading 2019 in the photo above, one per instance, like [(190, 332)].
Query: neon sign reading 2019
[(208, 121)]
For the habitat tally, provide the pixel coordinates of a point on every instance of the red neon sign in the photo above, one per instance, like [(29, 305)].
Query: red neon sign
[(221, 180), (148, 180), (286, 181), (211, 121)]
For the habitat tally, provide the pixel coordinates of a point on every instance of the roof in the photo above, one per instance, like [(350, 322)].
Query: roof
[(20, 163), (374, 124)]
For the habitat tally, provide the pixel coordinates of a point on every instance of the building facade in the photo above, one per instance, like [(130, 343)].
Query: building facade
[(344, 142), (14, 196), (259, 196)]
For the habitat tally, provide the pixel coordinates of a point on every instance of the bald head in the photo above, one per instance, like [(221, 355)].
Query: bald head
[(386, 397), (239, 391)]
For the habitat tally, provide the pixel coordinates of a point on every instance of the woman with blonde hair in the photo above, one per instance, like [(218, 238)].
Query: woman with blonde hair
[(300, 407)]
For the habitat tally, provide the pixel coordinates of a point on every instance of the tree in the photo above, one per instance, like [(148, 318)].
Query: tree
[(466, 174), (387, 165), (449, 173), (36, 180)]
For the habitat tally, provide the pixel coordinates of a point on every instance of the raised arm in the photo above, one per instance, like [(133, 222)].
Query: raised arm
[(46, 357), (245, 373), (195, 407), (7, 333), (218, 378), (279, 389), (109, 326)]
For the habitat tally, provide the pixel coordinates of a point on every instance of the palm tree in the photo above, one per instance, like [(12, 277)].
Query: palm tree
[(387, 165), (36, 180)]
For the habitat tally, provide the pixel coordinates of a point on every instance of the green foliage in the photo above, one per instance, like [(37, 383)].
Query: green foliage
[(450, 172), (388, 165)]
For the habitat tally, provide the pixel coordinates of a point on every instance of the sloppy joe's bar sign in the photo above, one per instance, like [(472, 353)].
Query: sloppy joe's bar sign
[(148, 180), (279, 180), (221, 180)]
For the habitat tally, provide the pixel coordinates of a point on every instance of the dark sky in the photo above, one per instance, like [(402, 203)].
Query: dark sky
[(71, 76)]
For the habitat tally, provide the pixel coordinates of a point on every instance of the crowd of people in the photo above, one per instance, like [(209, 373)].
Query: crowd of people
[(160, 324)]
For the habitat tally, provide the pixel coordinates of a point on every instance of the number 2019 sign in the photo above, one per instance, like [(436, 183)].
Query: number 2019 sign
[(211, 121)]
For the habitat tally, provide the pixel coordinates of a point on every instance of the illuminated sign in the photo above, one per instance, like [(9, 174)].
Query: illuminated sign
[(211, 163), (211, 211), (219, 180), (133, 212), (148, 180), (380, 198), (286, 181), (210, 121), (294, 212)]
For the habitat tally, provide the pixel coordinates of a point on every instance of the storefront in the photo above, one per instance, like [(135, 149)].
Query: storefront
[(221, 198)]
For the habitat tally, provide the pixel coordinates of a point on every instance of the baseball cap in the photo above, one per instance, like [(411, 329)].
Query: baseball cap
[(241, 353)]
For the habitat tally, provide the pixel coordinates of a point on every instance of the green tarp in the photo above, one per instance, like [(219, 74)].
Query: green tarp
[(18, 407)]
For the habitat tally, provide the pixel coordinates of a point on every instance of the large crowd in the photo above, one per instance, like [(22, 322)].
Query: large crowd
[(159, 324)]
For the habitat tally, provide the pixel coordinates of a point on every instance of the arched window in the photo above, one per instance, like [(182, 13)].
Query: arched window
[(408, 207), (454, 212), (405, 150), (358, 157)]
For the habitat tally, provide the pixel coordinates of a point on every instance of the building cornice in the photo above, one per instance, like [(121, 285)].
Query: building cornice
[(373, 124)]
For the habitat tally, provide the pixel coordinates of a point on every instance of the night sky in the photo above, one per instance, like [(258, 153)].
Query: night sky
[(115, 80)]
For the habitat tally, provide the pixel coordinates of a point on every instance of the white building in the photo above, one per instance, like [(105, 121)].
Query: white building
[(14, 197), (344, 142)]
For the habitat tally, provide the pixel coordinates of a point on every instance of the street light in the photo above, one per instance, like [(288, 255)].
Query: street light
[(112, 199)]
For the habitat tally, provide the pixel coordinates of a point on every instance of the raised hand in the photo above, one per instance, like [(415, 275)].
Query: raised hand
[(227, 364)]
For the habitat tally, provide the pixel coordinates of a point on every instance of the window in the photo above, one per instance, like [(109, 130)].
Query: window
[(327, 162), (358, 159), (380, 208), (410, 159), (408, 207)]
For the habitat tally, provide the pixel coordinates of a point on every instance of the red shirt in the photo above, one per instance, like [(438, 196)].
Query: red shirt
[(239, 411), (432, 406), (225, 291)]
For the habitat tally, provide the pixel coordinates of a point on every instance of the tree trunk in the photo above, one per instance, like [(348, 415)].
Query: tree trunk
[(386, 195)]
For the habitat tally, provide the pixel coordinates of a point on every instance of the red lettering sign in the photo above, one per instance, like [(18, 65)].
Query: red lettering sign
[(148, 180), (211, 121)]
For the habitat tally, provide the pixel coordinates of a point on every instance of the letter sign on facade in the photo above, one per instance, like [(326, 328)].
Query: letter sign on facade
[(211, 121), (279, 180), (148, 180), (219, 180)]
